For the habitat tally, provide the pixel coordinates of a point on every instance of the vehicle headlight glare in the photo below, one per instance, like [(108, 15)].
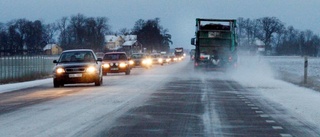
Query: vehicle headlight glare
[(91, 69), (131, 62), (122, 65), (106, 65), (60, 70), (147, 61)]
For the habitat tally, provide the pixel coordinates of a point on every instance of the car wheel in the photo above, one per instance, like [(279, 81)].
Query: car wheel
[(128, 72), (99, 81), (56, 84)]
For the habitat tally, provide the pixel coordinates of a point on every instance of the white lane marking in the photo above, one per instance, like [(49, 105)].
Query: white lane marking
[(277, 127), (254, 108), (251, 105), (260, 112), (247, 102), (270, 121), (242, 97), (285, 135), (264, 115)]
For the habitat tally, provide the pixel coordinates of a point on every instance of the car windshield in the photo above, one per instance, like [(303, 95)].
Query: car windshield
[(76, 56), (137, 56), (155, 56), (114, 57)]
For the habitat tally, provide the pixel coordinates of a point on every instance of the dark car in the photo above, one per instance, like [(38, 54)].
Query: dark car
[(141, 60), (116, 62), (77, 66)]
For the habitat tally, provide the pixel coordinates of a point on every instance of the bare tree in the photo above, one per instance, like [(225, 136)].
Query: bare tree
[(62, 27), (124, 31), (269, 26)]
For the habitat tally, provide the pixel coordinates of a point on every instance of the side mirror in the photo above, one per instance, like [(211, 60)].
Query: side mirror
[(55, 61), (99, 59), (193, 41)]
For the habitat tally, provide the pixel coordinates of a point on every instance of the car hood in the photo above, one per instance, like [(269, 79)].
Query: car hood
[(114, 61), (75, 65)]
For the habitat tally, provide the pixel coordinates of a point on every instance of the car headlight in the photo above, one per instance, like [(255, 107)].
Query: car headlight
[(122, 65), (60, 70), (91, 69), (131, 62), (160, 60), (106, 66), (147, 61)]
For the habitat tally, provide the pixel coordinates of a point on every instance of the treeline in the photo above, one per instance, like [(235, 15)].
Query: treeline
[(23, 36), (278, 39), (152, 35)]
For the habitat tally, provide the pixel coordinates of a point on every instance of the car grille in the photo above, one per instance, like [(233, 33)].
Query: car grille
[(114, 64), (75, 69)]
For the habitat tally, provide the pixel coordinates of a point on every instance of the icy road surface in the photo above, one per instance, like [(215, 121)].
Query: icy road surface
[(169, 100)]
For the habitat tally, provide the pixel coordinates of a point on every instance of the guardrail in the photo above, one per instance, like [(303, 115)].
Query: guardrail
[(23, 68)]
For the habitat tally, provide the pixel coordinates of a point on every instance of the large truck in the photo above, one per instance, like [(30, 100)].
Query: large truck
[(215, 44), (178, 52)]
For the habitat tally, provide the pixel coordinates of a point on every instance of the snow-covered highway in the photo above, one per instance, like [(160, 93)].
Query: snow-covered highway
[(169, 100)]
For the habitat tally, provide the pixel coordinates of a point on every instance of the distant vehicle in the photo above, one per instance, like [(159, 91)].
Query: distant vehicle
[(178, 52), (173, 58), (116, 62), (166, 59), (77, 66), (215, 44), (142, 60), (157, 59), (100, 54)]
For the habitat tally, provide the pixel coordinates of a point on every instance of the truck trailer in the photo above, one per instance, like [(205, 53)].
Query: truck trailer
[(215, 44)]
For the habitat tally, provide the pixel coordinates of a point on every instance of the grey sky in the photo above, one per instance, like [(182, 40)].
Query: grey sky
[(176, 15)]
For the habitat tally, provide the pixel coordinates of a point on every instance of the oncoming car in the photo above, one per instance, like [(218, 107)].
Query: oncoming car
[(116, 62), (157, 59), (142, 60), (77, 66)]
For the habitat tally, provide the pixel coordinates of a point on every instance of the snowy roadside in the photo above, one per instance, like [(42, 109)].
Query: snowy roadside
[(16, 86), (263, 77)]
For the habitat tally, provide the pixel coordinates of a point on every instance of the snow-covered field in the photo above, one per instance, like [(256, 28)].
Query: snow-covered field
[(272, 77)]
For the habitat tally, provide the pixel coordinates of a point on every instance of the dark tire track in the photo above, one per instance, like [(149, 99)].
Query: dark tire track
[(173, 111)]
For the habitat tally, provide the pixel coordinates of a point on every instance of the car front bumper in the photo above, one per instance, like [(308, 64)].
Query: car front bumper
[(71, 78)]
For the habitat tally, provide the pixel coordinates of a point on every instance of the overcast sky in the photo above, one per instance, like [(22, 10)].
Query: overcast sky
[(178, 16)]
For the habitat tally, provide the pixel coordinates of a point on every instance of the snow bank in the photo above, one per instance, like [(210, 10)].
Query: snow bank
[(22, 85)]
